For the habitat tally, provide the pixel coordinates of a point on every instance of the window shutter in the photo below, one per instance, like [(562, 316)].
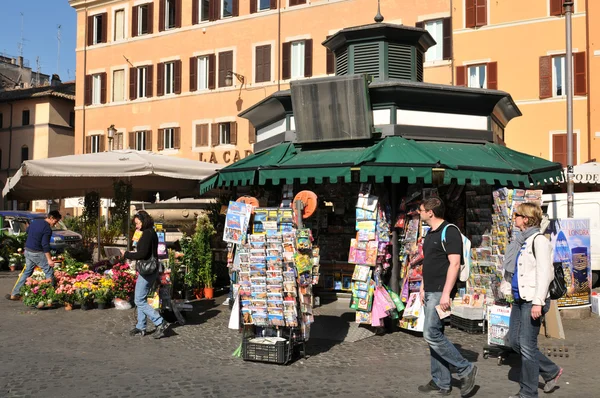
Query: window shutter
[(103, 88), (461, 76), (160, 83), (149, 80), (161, 140), (211, 71), (195, 11), (178, 14), (88, 90), (101, 143), (258, 64), (131, 142), (273, 4), (213, 10), (193, 73), (545, 77), (214, 134), (177, 77), (556, 8), (470, 13), (132, 83), (253, 8), (198, 138), (579, 74), (481, 12), (104, 18), (420, 24), (559, 149), (225, 65), (492, 75), (90, 31), (329, 60), (88, 144), (308, 56), (447, 41), (151, 18), (134, 21), (161, 15), (235, 8), (286, 59), (148, 142), (177, 138), (201, 135), (251, 134), (266, 63), (233, 133)]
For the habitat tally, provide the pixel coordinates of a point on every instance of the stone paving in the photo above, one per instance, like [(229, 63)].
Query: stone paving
[(56, 353)]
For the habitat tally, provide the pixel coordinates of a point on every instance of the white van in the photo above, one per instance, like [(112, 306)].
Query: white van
[(585, 205)]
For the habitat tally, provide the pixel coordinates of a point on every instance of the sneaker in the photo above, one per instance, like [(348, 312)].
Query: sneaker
[(161, 330), (550, 385), (136, 331), (468, 382), (16, 297), (432, 389)]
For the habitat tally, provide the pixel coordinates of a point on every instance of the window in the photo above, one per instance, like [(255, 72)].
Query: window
[(478, 76), (202, 72), (263, 5), (118, 88), (297, 59), (475, 13), (140, 82), (200, 11), (296, 2), (223, 134), (142, 76), (169, 77), (201, 135), (553, 78), (559, 148), (96, 89), (558, 76), (556, 8), (72, 119), (118, 141), (95, 144), (169, 15), (141, 20), (168, 80), (435, 29), (25, 118), (119, 25), (96, 29), (226, 8), (225, 65), (140, 140), (263, 64), (24, 153), (169, 138)]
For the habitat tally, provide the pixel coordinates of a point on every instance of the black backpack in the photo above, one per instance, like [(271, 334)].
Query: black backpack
[(558, 286)]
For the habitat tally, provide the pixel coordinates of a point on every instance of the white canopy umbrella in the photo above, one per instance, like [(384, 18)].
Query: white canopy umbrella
[(76, 175), (586, 173)]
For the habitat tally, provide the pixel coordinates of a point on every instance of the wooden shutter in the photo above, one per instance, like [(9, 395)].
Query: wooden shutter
[(266, 62), (329, 60), (273, 4), (103, 88), (214, 134), (492, 75), (286, 59), (251, 134), (193, 73), (420, 24), (195, 11), (233, 133), (545, 77), (579, 74), (481, 12), (160, 79), (556, 8), (177, 77), (308, 57), (447, 40), (149, 80), (559, 149), (178, 13), (88, 144), (101, 143), (132, 83), (87, 97), (176, 138), (213, 10), (134, 21), (201, 135), (253, 8), (161, 140), (90, 30), (148, 142), (225, 65), (258, 65), (470, 13), (161, 15), (104, 35), (131, 142), (211, 71), (151, 18), (235, 8), (461, 76)]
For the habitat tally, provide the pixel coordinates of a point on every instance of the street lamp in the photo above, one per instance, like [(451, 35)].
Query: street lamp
[(111, 131), (229, 80)]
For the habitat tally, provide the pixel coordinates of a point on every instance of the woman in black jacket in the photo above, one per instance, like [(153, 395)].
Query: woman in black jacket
[(147, 247)]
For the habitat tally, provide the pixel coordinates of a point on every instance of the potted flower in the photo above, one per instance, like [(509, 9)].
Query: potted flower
[(84, 295), (65, 291), (197, 256), (38, 294), (16, 260), (104, 293), (123, 278)]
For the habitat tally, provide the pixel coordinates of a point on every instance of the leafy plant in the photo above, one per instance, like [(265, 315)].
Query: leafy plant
[(37, 293), (122, 202), (197, 254), (123, 281)]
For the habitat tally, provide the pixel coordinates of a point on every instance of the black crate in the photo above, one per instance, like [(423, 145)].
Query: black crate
[(274, 353), (468, 325)]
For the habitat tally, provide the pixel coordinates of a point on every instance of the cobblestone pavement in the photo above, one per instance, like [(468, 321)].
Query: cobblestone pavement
[(55, 353)]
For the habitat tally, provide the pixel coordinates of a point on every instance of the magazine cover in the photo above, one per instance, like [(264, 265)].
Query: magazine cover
[(498, 323)]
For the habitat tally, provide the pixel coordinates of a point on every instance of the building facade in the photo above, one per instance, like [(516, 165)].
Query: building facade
[(16, 73)]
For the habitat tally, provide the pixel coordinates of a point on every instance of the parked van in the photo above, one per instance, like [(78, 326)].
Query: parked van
[(585, 205)]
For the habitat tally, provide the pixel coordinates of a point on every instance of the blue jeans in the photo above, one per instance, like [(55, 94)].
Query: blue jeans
[(443, 352), (142, 288), (31, 260), (523, 338)]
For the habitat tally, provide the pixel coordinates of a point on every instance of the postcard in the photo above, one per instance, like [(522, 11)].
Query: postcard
[(361, 273)]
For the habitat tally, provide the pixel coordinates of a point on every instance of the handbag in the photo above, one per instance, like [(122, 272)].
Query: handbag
[(558, 286), (147, 267)]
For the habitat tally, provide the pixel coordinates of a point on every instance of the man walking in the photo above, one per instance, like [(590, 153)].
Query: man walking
[(37, 251), (441, 266)]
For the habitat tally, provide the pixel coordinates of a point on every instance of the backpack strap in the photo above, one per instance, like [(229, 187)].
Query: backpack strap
[(533, 244), (444, 234)]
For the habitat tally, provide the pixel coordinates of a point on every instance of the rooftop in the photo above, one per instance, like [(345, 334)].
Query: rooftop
[(63, 90)]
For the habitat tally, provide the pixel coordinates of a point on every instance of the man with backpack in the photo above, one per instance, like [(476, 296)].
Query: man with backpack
[(441, 267)]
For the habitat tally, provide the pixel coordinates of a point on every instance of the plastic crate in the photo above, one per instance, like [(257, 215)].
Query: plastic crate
[(468, 325), (466, 312), (273, 353)]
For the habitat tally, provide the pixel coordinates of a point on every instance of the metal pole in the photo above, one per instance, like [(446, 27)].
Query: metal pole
[(395, 278), (568, 5)]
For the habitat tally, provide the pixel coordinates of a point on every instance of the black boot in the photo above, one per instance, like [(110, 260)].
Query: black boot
[(161, 330)]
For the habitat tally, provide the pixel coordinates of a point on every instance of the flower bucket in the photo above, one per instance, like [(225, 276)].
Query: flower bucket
[(68, 307), (209, 292), (13, 268), (85, 306), (101, 305)]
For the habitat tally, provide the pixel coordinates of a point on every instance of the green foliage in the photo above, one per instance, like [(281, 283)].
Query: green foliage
[(197, 254), (91, 206), (122, 202), (79, 252)]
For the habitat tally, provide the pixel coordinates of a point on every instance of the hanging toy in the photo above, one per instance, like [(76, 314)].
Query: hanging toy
[(309, 203), (248, 200)]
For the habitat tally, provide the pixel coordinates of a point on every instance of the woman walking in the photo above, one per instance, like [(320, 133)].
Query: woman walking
[(529, 269), (147, 247)]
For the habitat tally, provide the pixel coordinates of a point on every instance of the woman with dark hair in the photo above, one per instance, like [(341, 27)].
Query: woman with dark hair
[(146, 248)]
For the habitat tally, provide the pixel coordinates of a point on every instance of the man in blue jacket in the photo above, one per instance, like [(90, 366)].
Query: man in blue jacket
[(37, 251)]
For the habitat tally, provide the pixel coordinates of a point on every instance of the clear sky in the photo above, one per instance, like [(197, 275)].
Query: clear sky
[(40, 30)]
